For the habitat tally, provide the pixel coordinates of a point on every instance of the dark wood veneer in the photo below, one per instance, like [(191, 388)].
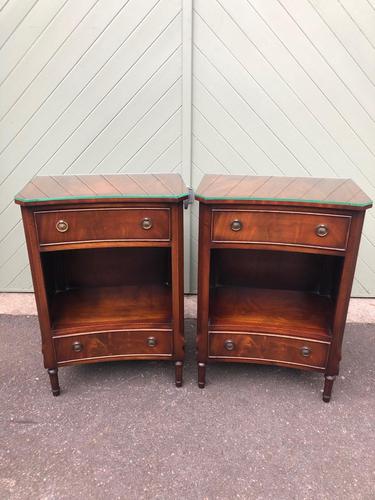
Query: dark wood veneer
[(103, 224), (106, 256), (114, 345), (276, 349), (276, 265), (289, 312), (280, 228)]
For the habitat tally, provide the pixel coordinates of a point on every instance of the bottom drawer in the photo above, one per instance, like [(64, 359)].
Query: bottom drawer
[(271, 349), (117, 344)]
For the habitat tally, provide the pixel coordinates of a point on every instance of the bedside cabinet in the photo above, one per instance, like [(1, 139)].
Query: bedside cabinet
[(276, 263), (106, 256)]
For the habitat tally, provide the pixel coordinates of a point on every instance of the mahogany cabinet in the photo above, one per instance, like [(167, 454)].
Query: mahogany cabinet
[(276, 263), (106, 256)]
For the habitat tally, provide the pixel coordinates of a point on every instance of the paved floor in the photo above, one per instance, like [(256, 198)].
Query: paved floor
[(122, 430)]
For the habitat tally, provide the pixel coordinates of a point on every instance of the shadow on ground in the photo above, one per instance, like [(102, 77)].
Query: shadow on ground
[(123, 430)]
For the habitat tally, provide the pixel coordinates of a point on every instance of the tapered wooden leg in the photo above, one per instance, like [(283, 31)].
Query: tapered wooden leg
[(201, 375), (328, 384), (178, 366), (54, 379)]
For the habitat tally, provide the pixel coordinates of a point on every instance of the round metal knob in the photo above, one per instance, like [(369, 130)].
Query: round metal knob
[(151, 341), (146, 223), (77, 346), (305, 351), (236, 225), (62, 226), (229, 345), (321, 230)]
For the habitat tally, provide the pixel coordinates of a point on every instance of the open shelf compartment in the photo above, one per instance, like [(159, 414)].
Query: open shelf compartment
[(108, 289), (273, 292)]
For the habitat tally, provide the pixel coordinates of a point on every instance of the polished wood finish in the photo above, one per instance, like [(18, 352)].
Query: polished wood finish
[(106, 255), (282, 192), (276, 264), (54, 380), (204, 252), (283, 311), (281, 228), (110, 307), (102, 224), (109, 346), (88, 189), (259, 348), (178, 373)]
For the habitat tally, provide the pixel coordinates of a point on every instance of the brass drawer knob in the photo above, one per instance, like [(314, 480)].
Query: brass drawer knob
[(77, 346), (229, 345), (146, 223), (151, 341), (305, 351), (321, 230), (236, 225), (62, 226)]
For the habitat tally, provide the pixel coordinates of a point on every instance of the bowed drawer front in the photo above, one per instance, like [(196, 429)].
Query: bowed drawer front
[(112, 224), (92, 347), (269, 348), (106, 255), (276, 264), (281, 228)]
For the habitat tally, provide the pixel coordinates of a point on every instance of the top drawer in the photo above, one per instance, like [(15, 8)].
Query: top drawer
[(280, 228), (102, 224)]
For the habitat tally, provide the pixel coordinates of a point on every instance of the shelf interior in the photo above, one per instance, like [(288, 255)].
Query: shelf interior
[(273, 292), (289, 312), (108, 288), (112, 307)]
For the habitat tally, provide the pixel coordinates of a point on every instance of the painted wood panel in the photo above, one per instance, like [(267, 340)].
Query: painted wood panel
[(286, 87), (282, 87), (89, 86)]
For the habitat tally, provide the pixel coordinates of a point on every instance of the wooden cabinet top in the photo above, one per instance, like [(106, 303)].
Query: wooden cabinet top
[(53, 190), (292, 191)]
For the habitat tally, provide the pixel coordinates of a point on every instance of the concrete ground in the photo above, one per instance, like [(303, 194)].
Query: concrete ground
[(123, 430)]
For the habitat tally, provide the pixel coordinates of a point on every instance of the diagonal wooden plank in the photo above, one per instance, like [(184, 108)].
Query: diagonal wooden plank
[(128, 66), (206, 161), (363, 15), (251, 107), (39, 160), (332, 136), (334, 55), (240, 139), (169, 157), (319, 136), (347, 33), (123, 115), (11, 17), (213, 140), (23, 76), (83, 88), (49, 86), (322, 75), (34, 24), (144, 130)]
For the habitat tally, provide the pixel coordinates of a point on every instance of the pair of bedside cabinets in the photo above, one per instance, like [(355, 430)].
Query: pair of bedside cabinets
[(276, 263)]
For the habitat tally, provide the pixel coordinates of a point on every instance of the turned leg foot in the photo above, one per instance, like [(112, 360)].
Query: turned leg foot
[(54, 379), (178, 366), (328, 384), (201, 375)]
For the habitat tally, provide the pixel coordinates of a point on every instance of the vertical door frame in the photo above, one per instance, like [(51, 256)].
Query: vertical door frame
[(186, 167)]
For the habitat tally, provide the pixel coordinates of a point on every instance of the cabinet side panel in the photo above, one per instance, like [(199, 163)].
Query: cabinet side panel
[(178, 281), (39, 287), (343, 293), (203, 282)]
